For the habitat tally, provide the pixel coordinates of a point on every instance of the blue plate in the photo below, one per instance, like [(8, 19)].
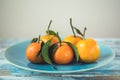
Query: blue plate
[(16, 56)]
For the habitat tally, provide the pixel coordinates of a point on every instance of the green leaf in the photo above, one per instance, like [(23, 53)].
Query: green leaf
[(45, 52), (74, 50), (40, 52), (34, 40), (78, 31), (53, 49), (51, 32)]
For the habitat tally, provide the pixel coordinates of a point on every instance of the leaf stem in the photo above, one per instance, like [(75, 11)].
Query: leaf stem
[(59, 39), (72, 27), (84, 33), (49, 25), (39, 38)]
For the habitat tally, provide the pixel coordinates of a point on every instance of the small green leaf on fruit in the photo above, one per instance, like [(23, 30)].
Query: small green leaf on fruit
[(34, 40), (78, 31), (40, 52), (45, 52), (51, 32), (74, 50), (53, 48)]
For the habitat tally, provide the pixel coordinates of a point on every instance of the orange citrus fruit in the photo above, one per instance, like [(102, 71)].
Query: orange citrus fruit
[(88, 50), (63, 54), (32, 52), (46, 38), (72, 39)]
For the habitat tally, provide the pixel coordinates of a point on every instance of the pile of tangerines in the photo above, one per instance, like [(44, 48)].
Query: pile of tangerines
[(51, 49)]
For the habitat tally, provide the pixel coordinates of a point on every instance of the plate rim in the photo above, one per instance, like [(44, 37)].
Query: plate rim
[(57, 72)]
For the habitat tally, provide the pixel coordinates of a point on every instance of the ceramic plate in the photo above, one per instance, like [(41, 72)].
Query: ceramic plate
[(16, 56)]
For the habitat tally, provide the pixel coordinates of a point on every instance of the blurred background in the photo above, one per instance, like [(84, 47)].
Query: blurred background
[(29, 18)]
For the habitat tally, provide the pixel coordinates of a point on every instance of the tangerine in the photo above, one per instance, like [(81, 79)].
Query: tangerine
[(32, 52), (63, 54), (88, 50), (46, 38)]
